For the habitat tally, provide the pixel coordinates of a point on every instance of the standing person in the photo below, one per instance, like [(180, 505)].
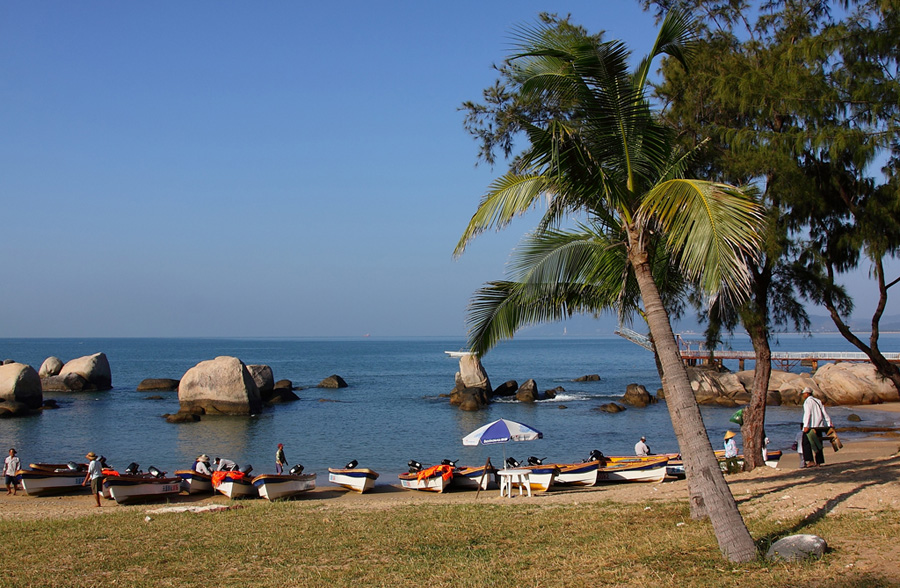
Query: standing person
[(95, 475), (731, 465), (815, 422), (280, 459), (640, 448), (10, 466)]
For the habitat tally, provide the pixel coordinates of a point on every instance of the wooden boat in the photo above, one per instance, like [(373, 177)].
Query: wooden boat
[(434, 479), (356, 479), (127, 489), (541, 476), (577, 474), (44, 479), (193, 482), (646, 469), (282, 486), (473, 477), (234, 484)]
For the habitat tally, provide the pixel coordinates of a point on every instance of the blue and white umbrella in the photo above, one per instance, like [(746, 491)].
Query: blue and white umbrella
[(501, 431)]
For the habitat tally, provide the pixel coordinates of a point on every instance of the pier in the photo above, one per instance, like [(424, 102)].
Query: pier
[(696, 353)]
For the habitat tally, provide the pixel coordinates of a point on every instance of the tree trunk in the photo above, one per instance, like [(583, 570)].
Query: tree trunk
[(753, 429), (701, 466)]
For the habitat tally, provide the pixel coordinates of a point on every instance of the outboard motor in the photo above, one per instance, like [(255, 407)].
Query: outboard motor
[(73, 466), (452, 464), (155, 472), (414, 466), (511, 463), (247, 469), (533, 461), (296, 470), (133, 469), (595, 455), (103, 463), (351, 465)]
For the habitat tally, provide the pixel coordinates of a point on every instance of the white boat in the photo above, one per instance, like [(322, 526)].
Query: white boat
[(141, 488), (434, 479), (356, 479), (473, 477), (577, 474), (47, 479), (280, 486), (194, 482), (234, 484), (652, 469)]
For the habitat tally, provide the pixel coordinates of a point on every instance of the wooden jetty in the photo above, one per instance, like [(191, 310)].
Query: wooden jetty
[(695, 353)]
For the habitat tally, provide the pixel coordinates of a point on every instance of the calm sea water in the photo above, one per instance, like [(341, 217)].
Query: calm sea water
[(392, 411)]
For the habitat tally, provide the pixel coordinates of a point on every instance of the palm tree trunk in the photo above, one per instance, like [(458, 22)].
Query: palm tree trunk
[(701, 465), (753, 429)]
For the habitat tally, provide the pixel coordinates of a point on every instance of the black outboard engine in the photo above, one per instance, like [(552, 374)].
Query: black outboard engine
[(351, 465), (595, 455), (452, 464), (155, 472), (414, 466), (103, 463), (511, 462), (133, 469), (247, 469), (533, 461), (296, 470)]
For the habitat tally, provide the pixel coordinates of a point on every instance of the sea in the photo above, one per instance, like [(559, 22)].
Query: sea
[(395, 408)]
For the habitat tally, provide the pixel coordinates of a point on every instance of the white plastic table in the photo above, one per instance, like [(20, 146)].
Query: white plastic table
[(510, 477)]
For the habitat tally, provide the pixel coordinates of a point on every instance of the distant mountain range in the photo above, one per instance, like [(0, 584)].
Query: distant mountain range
[(586, 326)]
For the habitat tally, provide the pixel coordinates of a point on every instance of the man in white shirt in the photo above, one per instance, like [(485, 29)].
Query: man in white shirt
[(201, 466), (225, 465), (640, 448), (10, 466), (815, 422)]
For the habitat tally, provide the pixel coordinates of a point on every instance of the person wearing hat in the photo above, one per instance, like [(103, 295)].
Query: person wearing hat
[(731, 464), (280, 459), (815, 422), (201, 465), (640, 448), (10, 466), (95, 475)]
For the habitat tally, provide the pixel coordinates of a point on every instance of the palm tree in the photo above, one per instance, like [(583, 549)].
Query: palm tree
[(598, 151)]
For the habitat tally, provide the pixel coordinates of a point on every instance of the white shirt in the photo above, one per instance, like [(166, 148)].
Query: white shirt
[(640, 448), (814, 415), (10, 465), (730, 448), (226, 464), (95, 470), (201, 468)]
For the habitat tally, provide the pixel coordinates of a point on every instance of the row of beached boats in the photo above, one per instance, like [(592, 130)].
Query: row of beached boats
[(134, 485)]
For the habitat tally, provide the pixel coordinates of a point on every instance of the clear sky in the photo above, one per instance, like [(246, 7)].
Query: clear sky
[(275, 169)]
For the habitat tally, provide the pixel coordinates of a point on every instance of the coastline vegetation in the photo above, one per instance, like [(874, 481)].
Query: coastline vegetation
[(513, 544)]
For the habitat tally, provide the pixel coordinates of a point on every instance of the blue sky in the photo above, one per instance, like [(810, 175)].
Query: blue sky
[(276, 169)]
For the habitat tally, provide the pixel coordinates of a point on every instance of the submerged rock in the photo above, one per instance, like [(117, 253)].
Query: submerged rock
[(333, 381), (149, 384)]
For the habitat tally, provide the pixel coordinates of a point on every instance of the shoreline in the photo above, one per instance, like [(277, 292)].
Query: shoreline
[(861, 477)]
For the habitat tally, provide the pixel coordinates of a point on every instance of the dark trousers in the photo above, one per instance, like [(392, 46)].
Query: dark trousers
[(817, 457)]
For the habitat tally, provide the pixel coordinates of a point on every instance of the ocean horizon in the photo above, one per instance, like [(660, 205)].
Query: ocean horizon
[(394, 410)]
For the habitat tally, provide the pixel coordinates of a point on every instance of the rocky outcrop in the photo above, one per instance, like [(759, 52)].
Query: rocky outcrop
[(554, 392), (637, 395), (66, 383), (19, 383), (93, 368), (472, 387), (835, 384), (157, 384), (507, 388), (527, 392), (611, 407), (469, 399), (52, 366), (588, 378), (262, 375), (219, 386)]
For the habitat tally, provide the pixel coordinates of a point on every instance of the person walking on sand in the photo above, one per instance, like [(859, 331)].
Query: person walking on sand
[(280, 459), (815, 422), (10, 466), (94, 475), (640, 448)]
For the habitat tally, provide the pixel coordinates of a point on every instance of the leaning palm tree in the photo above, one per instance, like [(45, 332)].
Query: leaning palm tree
[(598, 152)]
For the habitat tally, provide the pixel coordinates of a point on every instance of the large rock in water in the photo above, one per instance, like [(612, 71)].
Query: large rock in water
[(219, 386), (20, 383), (264, 378), (93, 368), (527, 392), (854, 383), (637, 395), (52, 366), (472, 374)]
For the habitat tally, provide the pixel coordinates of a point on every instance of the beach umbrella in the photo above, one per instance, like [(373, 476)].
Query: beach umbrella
[(501, 431)]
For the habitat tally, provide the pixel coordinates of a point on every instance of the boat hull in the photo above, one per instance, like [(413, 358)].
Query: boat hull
[(472, 478), (644, 470), (133, 489), (234, 485), (194, 482), (577, 474), (541, 477), (47, 483), (437, 483), (356, 479), (283, 486)]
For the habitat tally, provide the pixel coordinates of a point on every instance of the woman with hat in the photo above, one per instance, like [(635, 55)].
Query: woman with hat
[(201, 465), (731, 464), (95, 475)]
